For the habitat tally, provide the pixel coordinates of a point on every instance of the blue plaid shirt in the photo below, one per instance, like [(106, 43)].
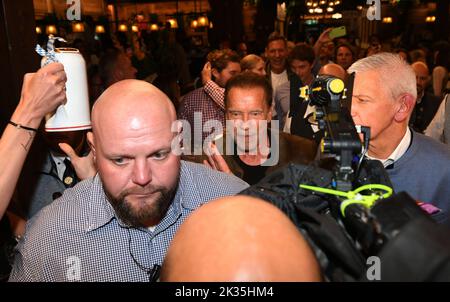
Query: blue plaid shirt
[(79, 238)]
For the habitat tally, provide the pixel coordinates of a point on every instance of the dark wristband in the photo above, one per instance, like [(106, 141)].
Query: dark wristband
[(19, 126)]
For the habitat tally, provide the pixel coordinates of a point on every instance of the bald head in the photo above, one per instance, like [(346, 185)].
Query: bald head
[(420, 66), (422, 76), (239, 238), (334, 70), (126, 102)]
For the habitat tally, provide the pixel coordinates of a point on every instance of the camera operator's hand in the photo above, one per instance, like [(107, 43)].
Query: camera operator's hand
[(42, 92)]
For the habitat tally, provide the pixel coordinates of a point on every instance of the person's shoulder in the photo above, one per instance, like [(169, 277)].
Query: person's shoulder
[(294, 138), (431, 147), (283, 89), (200, 184), (439, 70), (207, 177), (189, 100), (67, 212), (295, 141), (292, 76), (432, 98), (50, 231), (192, 99), (194, 94), (297, 147)]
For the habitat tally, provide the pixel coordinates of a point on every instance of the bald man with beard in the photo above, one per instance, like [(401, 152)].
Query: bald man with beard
[(239, 238), (118, 225)]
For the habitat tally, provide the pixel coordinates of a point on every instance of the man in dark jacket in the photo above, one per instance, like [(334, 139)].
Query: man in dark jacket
[(249, 148), (427, 104)]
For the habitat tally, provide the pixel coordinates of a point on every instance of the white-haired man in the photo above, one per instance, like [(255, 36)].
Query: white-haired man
[(384, 96)]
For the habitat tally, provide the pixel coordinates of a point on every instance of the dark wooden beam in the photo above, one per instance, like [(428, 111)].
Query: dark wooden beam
[(228, 21), (264, 22)]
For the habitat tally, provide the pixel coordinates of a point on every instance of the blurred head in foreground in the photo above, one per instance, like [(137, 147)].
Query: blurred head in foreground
[(239, 238)]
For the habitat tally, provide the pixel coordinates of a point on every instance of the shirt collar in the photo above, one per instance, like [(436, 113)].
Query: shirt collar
[(60, 166), (56, 158), (420, 97), (190, 195), (398, 152), (100, 209), (311, 110)]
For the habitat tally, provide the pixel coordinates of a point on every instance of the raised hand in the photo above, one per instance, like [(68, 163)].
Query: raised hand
[(216, 161), (42, 92), (84, 166)]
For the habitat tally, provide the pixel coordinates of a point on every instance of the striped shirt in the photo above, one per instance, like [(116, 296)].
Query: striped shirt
[(79, 237)]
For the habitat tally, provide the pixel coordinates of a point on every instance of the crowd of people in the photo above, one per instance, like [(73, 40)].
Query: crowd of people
[(165, 140)]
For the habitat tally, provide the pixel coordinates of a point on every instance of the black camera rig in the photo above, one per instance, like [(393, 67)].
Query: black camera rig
[(347, 210)]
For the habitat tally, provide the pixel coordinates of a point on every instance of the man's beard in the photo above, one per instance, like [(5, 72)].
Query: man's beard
[(143, 210)]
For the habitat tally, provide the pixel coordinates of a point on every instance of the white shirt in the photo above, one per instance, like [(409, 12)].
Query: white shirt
[(436, 128), (420, 97), (311, 109), (398, 152), (278, 79), (60, 166)]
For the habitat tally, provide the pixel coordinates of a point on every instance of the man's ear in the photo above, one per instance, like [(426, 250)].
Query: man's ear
[(91, 142), (215, 73), (405, 108)]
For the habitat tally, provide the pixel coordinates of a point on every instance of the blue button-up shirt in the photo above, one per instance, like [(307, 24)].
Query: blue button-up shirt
[(79, 237)]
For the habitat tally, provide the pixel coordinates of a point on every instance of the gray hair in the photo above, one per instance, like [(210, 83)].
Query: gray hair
[(393, 71)]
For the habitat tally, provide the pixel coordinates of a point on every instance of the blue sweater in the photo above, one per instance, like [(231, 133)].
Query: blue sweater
[(424, 171)]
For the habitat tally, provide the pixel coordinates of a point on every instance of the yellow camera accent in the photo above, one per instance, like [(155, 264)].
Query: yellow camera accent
[(304, 92), (336, 86)]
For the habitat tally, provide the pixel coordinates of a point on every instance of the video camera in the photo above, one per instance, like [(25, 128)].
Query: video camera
[(330, 98), (348, 212)]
